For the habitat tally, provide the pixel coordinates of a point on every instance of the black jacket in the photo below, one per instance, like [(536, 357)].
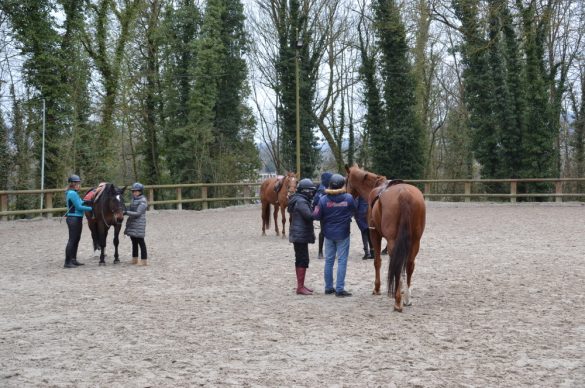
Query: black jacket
[(301, 220)]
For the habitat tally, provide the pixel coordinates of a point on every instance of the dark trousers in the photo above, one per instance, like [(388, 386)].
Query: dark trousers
[(366, 241), (301, 255), (74, 224), (136, 241)]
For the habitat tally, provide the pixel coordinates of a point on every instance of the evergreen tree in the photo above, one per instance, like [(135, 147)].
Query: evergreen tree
[(4, 155), (374, 116), (293, 32), (398, 145)]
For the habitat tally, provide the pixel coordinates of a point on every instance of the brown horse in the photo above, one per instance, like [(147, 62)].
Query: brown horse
[(280, 200), (108, 210), (396, 212)]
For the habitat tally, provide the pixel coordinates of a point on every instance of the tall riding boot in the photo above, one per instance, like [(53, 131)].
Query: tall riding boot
[(321, 240), (135, 260), (69, 264), (301, 289), (365, 243)]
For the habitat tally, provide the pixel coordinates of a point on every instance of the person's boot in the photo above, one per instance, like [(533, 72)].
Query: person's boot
[(69, 264), (301, 289), (366, 256), (76, 263), (143, 263), (135, 260), (372, 255)]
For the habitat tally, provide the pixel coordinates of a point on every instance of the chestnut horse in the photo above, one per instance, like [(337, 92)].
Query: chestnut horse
[(280, 200), (108, 210), (396, 212)]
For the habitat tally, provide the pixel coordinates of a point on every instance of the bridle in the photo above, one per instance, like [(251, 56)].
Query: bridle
[(112, 210)]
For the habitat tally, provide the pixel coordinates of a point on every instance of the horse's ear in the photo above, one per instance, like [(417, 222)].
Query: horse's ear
[(123, 189)]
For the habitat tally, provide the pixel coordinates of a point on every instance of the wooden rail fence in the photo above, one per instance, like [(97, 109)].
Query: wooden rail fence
[(476, 189)]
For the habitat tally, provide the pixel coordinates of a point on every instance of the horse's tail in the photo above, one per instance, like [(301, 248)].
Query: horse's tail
[(266, 214), (401, 249)]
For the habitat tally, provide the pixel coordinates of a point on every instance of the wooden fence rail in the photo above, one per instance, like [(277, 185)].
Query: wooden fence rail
[(247, 193)]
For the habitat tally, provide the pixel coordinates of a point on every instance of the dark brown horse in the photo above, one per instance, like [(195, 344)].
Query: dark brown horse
[(280, 200), (396, 212), (108, 210)]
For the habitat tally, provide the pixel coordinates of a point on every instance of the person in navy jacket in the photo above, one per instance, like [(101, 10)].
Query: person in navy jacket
[(320, 193), (335, 211), (361, 219)]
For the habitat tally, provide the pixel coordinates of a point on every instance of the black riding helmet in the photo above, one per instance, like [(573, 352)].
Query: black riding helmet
[(306, 187), (74, 178), (336, 182)]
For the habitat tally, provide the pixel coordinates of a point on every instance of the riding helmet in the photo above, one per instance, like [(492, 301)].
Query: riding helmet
[(74, 178), (306, 187), (336, 182), (137, 187)]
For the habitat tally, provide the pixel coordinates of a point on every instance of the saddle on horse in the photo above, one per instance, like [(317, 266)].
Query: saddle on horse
[(94, 193), (386, 186), (278, 184)]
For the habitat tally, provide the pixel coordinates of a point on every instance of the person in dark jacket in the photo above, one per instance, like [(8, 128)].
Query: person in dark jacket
[(301, 232), (75, 210), (136, 224), (320, 193), (361, 218), (336, 210)]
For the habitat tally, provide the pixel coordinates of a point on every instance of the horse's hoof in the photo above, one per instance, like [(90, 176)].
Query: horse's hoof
[(376, 292), (116, 261), (397, 309), (408, 303), (102, 263)]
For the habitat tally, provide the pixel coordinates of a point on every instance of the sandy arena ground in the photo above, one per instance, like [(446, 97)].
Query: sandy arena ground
[(498, 300)]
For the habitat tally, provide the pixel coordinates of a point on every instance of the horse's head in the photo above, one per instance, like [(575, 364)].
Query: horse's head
[(360, 182), (290, 182), (113, 202)]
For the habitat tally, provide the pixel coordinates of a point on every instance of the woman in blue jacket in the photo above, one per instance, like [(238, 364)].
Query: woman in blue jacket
[(75, 209)]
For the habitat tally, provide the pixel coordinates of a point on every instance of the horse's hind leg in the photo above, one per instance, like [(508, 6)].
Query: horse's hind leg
[(409, 270)]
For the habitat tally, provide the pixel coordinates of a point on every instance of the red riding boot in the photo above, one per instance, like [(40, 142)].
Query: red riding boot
[(301, 289)]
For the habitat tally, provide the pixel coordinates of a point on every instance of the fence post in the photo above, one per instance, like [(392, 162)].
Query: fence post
[(513, 189), (246, 191), (204, 197), (49, 202), (558, 191), (4, 205), (427, 188), (150, 199), (179, 198), (467, 191)]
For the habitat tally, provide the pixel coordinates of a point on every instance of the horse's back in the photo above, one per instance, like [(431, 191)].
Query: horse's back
[(398, 201)]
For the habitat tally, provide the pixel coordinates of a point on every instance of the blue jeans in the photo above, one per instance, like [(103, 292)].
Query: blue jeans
[(341, 249)]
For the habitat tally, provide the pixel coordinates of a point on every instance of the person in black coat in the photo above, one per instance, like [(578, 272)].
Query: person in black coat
[(301, 231)]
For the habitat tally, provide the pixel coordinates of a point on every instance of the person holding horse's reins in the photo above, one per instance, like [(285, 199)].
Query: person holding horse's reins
[(301, 231), (320, 193), (336, 210), (136, 223), (74, 214)]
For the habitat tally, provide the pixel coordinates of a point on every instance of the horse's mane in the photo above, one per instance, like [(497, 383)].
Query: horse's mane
[(369, 178)]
